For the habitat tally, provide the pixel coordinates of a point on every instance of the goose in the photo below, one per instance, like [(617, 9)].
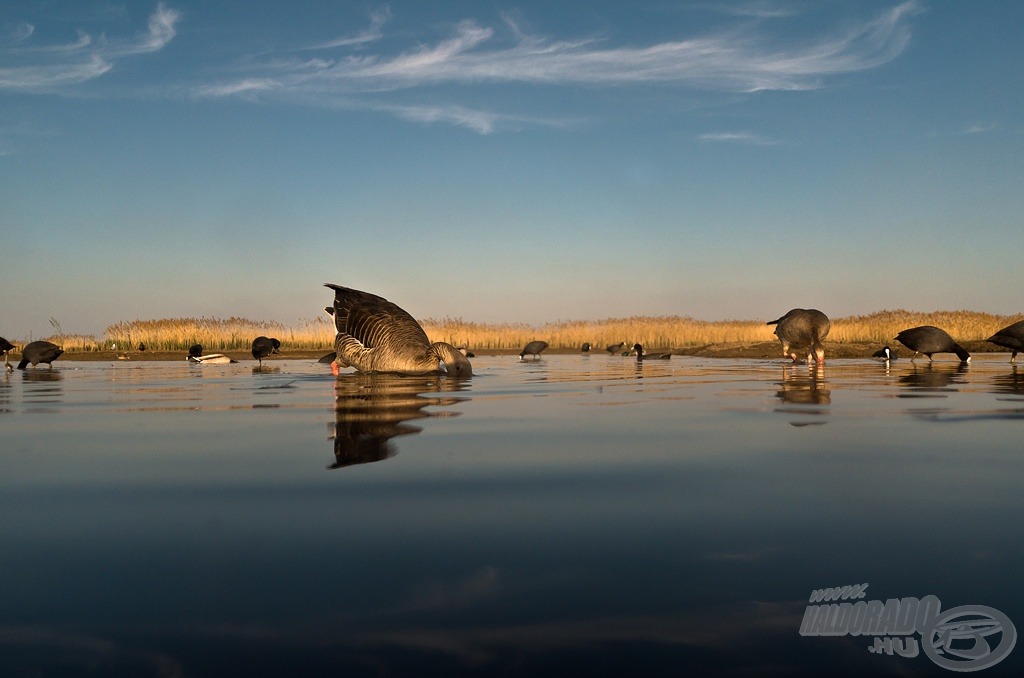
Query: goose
[(39, 352), (615, 348), (375, 335), (263, 347), (803, 327), (929, 339), (1011, 337), (6, 346), (885, 354), (533, 348), (640, 355)]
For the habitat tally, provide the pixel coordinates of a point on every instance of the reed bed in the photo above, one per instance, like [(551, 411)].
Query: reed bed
[(236, 334), (217, 334)]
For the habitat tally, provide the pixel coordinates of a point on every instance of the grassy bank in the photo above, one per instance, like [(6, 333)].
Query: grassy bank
[(236, 334)]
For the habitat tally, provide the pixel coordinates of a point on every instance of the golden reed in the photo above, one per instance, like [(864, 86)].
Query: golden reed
[(235, 334)]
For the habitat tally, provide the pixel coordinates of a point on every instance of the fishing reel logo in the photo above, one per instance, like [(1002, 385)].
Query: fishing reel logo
[(966, 638)]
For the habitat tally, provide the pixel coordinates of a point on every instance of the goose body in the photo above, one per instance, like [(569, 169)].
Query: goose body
[(615, 348), (1011, 337), (640, 355), (375, 335), (885, 354), (803, 328), (929, 339), (39, 352), (533, 348), (263, 347)]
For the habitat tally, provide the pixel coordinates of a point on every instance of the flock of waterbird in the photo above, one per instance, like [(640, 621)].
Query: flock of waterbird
[(375, 335)]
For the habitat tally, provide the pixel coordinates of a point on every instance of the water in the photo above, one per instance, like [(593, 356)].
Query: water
[(579, 515)]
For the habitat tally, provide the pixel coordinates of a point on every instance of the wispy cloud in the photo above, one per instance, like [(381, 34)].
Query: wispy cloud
[(744, 60), (49, 68), (738, 138), (979, 128), (371, 34)]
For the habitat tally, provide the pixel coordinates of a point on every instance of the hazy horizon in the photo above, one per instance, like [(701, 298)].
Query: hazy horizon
[(524, 163)]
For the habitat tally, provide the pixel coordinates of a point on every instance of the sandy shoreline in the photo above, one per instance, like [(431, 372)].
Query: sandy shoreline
[(767, 349)]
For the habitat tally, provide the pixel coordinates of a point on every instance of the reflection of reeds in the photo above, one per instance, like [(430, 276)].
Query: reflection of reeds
[(234, 334)]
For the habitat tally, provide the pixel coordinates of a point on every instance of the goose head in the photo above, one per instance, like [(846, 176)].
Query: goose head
[(454, 363)]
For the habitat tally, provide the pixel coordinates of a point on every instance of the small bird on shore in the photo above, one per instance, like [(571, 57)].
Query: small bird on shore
[(885, 354), (38, 352), (1011, 337), (533, 348), (805, 328), (615, 348), (263, 347), (585, 348), (195, 350), (928, 339), (640, 355)]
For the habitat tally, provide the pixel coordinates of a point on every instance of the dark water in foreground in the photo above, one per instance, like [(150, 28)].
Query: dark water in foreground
[(576, 516)]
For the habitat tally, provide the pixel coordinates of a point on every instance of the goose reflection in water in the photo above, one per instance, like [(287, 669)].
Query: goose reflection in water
[(804, 390), (1012, 383), (929, 380), (371, 409)]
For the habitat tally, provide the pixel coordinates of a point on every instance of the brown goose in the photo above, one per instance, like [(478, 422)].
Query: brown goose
[(805, 328), (1011, 337), (375, 335)]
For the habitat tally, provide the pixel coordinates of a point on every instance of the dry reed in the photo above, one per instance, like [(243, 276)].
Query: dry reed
[(233, 334)]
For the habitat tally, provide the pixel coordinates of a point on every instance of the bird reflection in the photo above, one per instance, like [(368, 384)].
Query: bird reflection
[(923, 379), (1011, 383), (371, 409), (804, 388), (807, 389)]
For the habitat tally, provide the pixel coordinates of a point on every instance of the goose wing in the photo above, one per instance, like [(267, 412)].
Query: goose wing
[(367, 322)]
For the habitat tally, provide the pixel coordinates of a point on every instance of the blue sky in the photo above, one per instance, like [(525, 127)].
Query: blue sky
[(520, 162)]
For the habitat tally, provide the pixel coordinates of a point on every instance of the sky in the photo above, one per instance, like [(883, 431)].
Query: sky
[(524, 162)]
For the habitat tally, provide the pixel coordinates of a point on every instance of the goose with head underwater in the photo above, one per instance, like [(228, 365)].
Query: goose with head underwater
[(375, 335), (804, 328)]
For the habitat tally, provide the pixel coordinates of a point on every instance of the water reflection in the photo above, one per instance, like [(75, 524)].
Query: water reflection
[(932, 381), (371, 409), (42, 388), (1011, 383), (804, 392)]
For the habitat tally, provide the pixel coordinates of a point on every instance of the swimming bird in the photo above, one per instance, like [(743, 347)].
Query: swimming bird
[(1011, 337), (375, 335), (585, 348), (615, 348), (263, 347), (803, 327), (39, 352), (640, 355), (6, 346), (885, 354), (195, 350), (929, 339), (211, 359), (533, 348)]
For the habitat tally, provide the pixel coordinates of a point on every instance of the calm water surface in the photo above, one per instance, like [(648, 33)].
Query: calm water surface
[(580, 515)]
